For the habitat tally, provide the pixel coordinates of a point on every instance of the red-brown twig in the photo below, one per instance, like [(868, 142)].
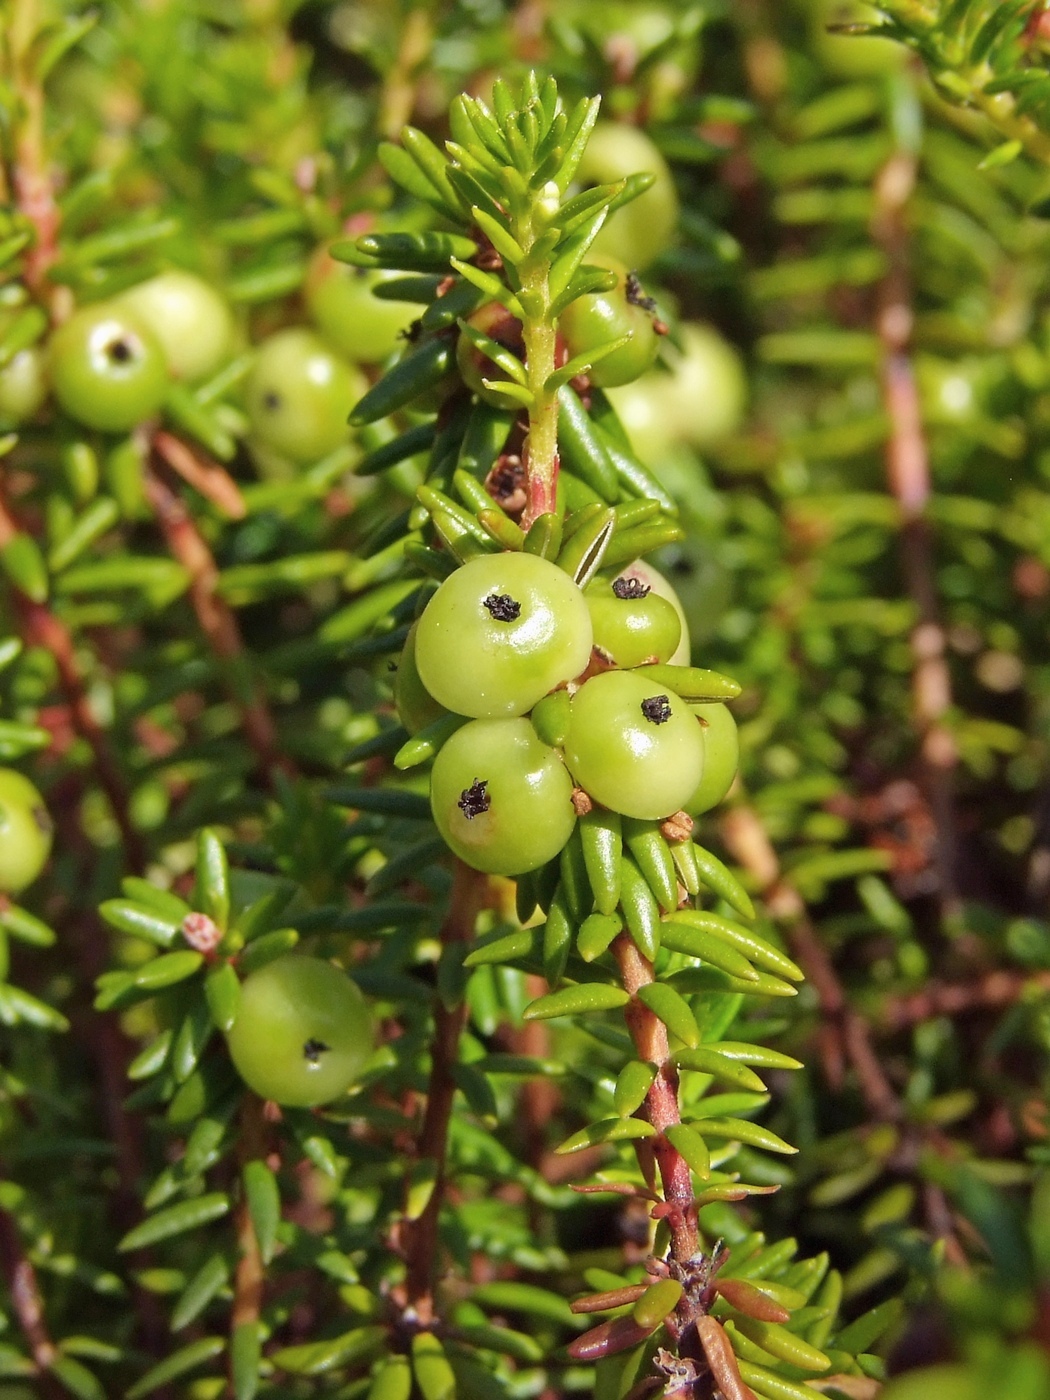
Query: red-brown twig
[(40, 627), (988, 993), (539, 1096), (908, 470), (28, 1306), (249, 1281), (217, 621), (661, 1103), (848, 1034), (199, 471), (419, 1237), (30, 176)]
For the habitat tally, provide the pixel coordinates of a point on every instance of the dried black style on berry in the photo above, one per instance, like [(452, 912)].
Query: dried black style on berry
[(627, 588), (637, 295), (120, 351), (314, 1049), (503, 607), (474, 800), (657, 709)]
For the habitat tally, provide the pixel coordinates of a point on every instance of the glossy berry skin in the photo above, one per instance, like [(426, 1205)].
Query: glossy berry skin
[(501, 632), (416, 707), (721, 757), (343, 307), (632, 623), (303, 1032), (299, 395), (643, 762), (23, 387), (594, 320), (107, 370), (701, 401), (499, 325), (648, 574), (708, 386), (188, 317), (25, 832), (501, 797), (640, 231)]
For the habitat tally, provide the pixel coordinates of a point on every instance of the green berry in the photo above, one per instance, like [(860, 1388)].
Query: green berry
[(501, 797), (596, 319), (299, 395), (303, 1032), (701, 401), (343, 306), (645, 573), (721, 757), (23, 387), (501, 632), (107, 369), (25, 832), (188, 317), (632, 623), (640, 231), (416, 707), (634, 746)]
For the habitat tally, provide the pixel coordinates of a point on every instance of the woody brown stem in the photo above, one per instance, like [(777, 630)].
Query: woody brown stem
[(27, 1304), (250, 1278), (988, 993), (908, 471), (217, 621), (40, 627), (30, 176), (661, 1103), (850, 1034), (420, 1236), (199, 471)]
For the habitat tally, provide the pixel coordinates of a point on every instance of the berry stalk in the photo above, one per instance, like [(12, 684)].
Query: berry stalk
[(661, 1103), (540, 337)]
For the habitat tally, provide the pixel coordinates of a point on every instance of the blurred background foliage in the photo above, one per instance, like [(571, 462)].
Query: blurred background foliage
[(853, 415)]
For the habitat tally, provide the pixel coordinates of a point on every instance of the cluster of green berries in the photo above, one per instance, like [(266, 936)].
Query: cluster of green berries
[(112, 364), (559, 711)]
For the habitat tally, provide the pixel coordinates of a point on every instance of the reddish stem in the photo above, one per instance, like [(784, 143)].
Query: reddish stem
[(420, 1236), (850, 1033), (217, 621), (30, 175), (250, 1278), (990, 992), (661, 1103), (908, 471), (199, 471), (26, 1300), (40, 627), (542, 492)]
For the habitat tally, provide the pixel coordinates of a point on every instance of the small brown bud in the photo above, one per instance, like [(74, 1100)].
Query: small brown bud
[(677, 827)]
